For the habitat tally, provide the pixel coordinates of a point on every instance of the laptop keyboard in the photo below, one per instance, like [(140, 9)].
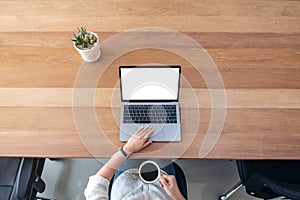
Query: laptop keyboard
[(154, 114)]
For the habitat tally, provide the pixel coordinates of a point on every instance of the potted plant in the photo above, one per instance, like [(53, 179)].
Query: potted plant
[(87, 44)]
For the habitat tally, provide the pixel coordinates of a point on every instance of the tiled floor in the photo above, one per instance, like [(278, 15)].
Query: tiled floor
[(207, 179)]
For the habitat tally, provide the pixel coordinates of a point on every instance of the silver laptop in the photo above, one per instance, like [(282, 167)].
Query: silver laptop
[(149, 96)]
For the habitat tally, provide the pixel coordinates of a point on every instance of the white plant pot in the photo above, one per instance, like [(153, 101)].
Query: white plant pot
[(90, 55)]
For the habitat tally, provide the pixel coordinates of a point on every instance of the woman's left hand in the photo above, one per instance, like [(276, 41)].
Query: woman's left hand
[(138, 140)]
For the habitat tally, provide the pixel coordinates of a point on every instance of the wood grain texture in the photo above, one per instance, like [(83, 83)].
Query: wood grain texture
[(260, 127), (207, 16), (57, 67), (254, 44), (189, 98)]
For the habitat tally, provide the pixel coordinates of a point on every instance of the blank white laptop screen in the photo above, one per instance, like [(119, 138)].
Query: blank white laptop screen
[(149, 83)]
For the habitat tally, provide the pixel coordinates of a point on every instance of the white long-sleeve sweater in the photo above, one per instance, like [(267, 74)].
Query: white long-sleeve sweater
[(127, 186)]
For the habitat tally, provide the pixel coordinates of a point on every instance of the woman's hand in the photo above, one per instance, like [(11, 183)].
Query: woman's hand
[(168, 182), (138, 140)]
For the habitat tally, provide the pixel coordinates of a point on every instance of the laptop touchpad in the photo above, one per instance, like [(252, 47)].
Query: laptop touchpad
[(158, 132)]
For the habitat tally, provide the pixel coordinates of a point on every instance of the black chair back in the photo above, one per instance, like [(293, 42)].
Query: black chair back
[(20, 178), (270, 178), (181, 180)]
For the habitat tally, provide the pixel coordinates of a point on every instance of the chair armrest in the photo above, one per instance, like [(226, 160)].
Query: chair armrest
[(39, 185)]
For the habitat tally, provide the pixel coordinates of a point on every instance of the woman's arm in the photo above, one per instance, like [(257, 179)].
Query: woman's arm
[(137, 142), (168, 182), (97, 187)]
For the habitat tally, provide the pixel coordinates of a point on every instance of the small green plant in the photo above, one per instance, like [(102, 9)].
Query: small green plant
[(84, 40)]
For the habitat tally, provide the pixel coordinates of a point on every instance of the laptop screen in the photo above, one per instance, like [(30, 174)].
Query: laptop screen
[(149, 83)]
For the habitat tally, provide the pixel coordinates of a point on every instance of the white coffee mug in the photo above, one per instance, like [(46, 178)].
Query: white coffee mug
[(149, 171)]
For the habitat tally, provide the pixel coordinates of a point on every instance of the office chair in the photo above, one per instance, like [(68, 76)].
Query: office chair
[(180, 179), (20, 178), (268, 179)]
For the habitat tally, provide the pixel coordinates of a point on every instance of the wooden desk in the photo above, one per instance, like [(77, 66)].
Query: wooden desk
[(254, 45)]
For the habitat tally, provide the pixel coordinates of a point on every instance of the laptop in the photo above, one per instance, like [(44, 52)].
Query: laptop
[(149, 96)]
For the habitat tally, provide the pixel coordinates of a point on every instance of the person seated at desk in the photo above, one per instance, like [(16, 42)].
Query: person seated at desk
[(126, 183)]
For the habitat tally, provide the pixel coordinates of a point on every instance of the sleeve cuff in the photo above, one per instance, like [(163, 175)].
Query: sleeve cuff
[(99, 180)]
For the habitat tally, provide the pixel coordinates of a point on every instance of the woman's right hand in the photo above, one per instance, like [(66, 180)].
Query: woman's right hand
[(168, 182)]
